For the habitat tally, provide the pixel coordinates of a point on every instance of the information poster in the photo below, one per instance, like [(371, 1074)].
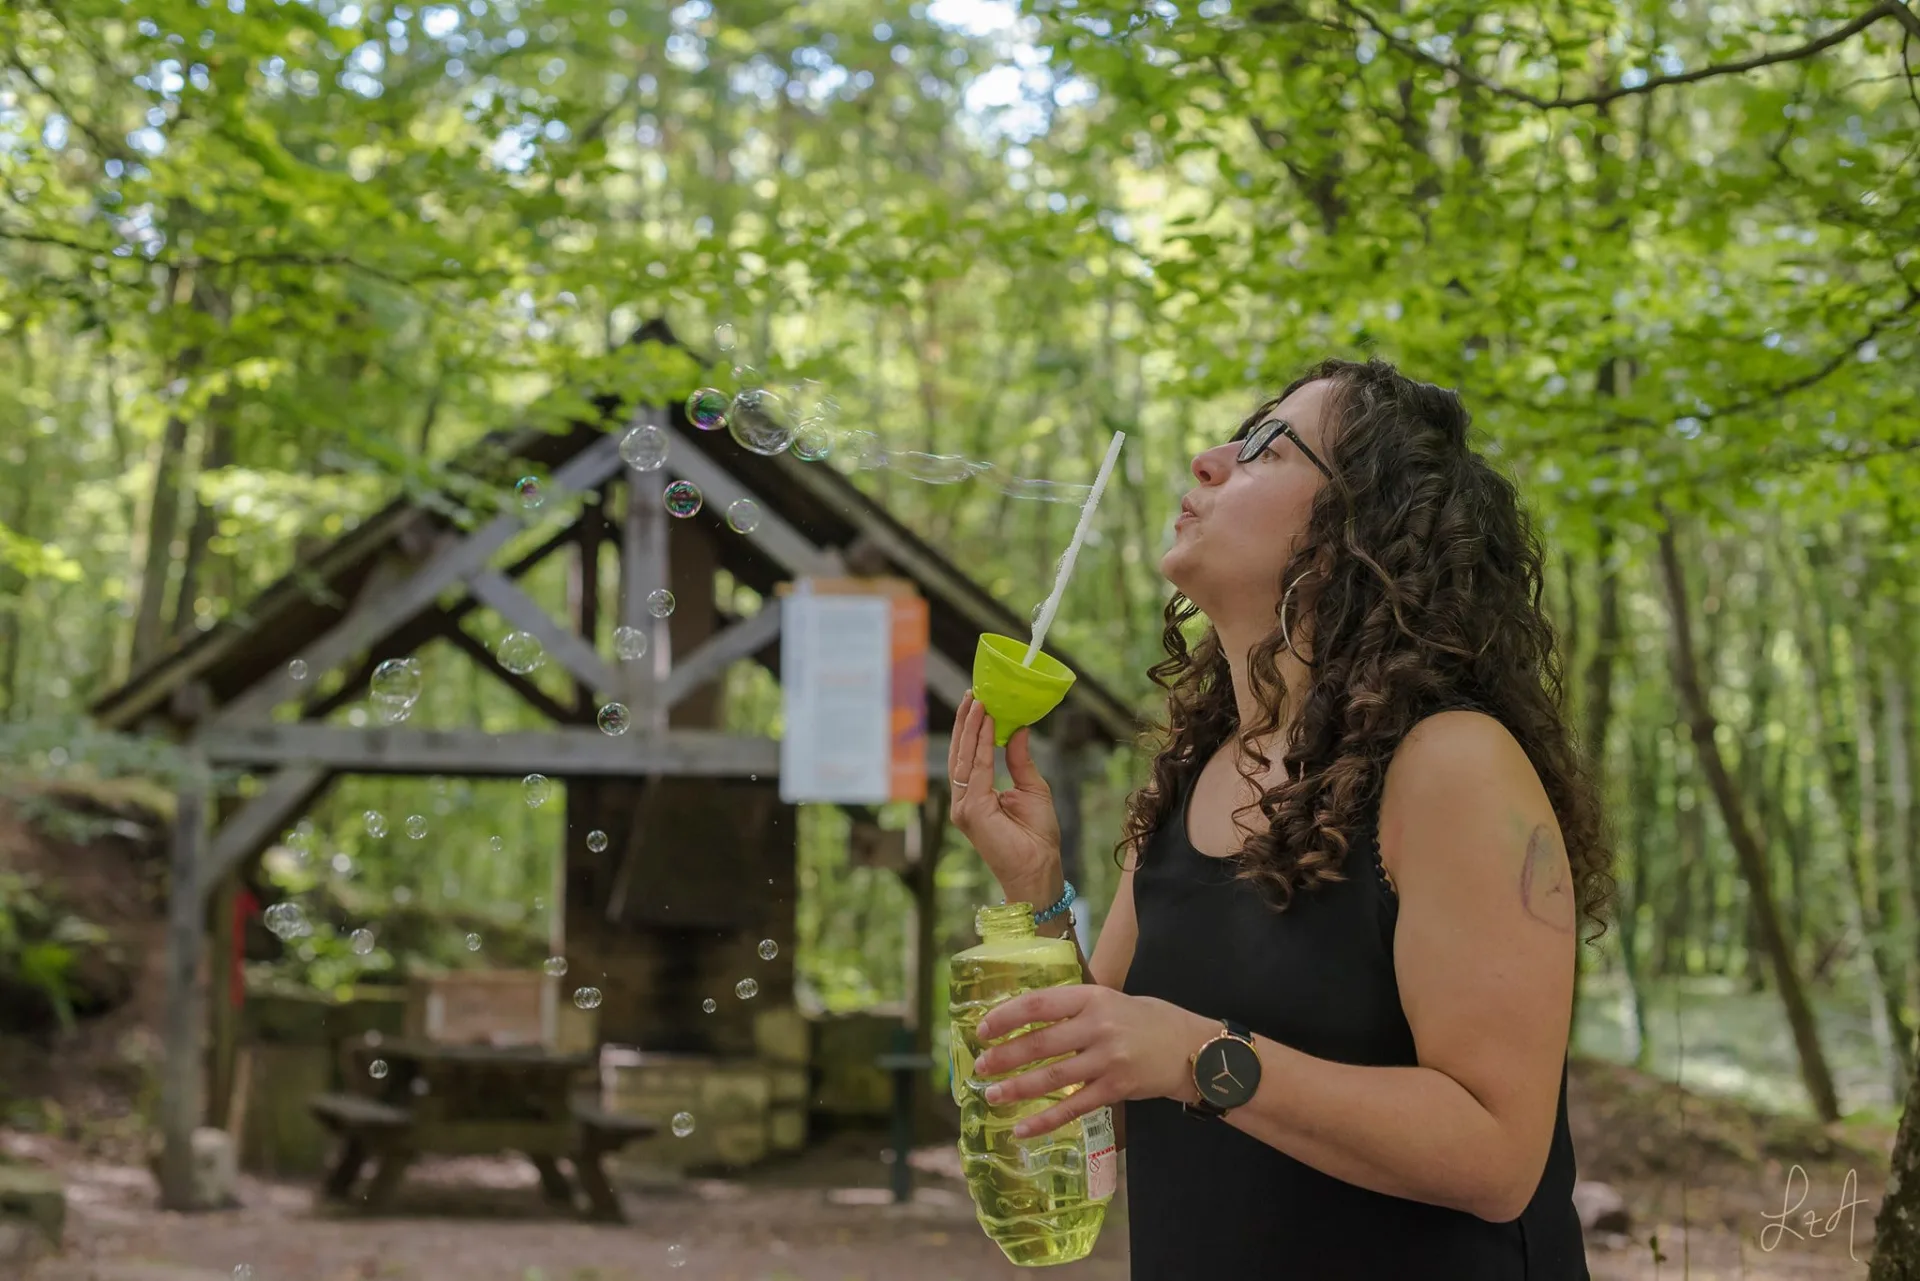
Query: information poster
[(853, 676)]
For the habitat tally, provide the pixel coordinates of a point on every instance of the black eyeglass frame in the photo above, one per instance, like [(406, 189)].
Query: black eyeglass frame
[(1259, 438)]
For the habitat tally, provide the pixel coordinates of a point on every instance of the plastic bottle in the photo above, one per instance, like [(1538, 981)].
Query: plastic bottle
[(1042, 1199)]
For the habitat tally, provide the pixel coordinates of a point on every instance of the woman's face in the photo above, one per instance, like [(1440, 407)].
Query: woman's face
[(1239, 526)]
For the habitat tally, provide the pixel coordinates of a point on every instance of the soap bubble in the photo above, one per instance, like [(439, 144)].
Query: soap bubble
[(362, 942), (707, 409), (395, 688), (473, 942), (644, 448), (660, 602), (682, 498), (538, 789), (341, 864), (377, 1069), (746, 989), (629, 643), (531, 495), (812, 442), (297, 669), (676, 1256), (587, 998), (934, 469), (743, 516), (419, 1086), (614, 719), (243, 1272), (723, 337), (520, 653), (860, 451), (768, 949), (682, 1124), (416, 826), (286, 921), (495, 843), (709, 1005), (556, 966), (376, 823), (596, 840), (760, 421)]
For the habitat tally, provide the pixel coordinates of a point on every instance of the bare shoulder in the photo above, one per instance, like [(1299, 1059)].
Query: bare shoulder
[(1454, 749)]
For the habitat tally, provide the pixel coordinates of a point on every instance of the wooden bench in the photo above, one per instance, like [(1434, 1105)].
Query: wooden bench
[(367, 1128), (600, 1134)]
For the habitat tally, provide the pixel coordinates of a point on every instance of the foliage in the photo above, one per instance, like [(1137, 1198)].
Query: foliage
[(40, 942)]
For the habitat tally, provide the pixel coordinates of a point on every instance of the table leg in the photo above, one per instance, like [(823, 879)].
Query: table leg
[(603, 1203), (386, 1177), (346, 1168), (553, 1181)]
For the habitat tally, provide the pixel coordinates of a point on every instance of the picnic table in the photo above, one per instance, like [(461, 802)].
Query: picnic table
[(466, 1100)]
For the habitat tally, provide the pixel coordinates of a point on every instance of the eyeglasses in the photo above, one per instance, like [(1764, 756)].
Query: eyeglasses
[(1256, 441)]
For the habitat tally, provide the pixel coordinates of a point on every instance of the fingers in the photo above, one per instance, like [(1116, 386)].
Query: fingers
[(1043, 1081), (1071, 1108), (982, 762), (962, 752), (1049, 1042), (1047, 1005), (959, 724), (1026, 775)]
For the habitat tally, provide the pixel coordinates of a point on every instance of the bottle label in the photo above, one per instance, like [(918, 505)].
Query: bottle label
[(1103, 1159)]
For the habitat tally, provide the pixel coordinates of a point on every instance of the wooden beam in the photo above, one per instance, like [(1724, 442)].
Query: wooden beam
[(493, 588), (253, 825), (742, 639), (773, 535), (644, 569), (392, 607), (529, 692), (181, 1087), (572, 750)]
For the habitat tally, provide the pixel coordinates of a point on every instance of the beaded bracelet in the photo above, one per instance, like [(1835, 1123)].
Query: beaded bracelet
[(1067, 896)]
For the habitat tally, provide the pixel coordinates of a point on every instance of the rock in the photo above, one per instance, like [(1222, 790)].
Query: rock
[(1601, 1208), (34, 1201), (216, 1171)]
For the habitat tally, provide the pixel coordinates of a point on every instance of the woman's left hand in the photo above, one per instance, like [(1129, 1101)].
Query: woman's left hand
[(1122, 1047)]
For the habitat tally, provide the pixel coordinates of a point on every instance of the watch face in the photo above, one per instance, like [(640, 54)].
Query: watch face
[(1226, 1072)]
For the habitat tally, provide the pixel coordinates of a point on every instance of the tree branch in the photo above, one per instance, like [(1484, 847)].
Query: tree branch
[(1407, 48)]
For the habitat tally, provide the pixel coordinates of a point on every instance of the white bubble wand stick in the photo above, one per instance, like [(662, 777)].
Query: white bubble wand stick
[(1073, 550)]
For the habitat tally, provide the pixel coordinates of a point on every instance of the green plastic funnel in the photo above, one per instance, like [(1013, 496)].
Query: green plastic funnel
[(1014, 694)]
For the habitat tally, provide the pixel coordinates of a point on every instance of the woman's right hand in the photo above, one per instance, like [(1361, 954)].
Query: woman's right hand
[(1016, 831)]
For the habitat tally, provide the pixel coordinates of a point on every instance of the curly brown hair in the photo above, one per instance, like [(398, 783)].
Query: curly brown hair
[(1427, 578)]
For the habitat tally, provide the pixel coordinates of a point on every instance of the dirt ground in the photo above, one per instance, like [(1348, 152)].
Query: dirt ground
[(822, 1217)]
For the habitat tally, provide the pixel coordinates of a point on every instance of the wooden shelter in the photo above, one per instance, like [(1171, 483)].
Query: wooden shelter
[(662, 928)]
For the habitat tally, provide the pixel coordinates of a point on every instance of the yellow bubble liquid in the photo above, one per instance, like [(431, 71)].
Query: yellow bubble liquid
[(1041, 1199)]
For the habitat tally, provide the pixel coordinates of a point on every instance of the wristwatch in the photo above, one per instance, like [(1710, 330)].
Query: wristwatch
[(1226, 1071)]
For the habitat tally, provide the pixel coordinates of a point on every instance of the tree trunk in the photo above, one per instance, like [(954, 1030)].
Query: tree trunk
[(1599, 693), (214, 455), (1746, 846), (1896, 1228), (1635, 869)]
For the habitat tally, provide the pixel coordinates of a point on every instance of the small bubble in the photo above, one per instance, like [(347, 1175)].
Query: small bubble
[(682, 498), (760, 422), (376, 823), (707, 409), (768, 949), (660, 602), (709, 1005), (521, 653), (297, 669), (629, 643), (644, 448), (587, 998), (676, 1256), (556, 966), (286, 921), (746, 989), (813, 442), (495, 843), (395, 688), (473, 942), (362, 942), (723, 337), (243, 1272), (531, 495), (377, 1069), (416, 826), (743, 516), (538, 790), (419, 1086), (596, 840), (614, 720), (682, 1124)]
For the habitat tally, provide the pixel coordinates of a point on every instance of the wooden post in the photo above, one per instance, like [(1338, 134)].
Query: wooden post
[(585, 591), (930, 829), (180, 1079), (643, 570)]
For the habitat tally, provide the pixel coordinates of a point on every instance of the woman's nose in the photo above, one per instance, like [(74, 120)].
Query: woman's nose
[(1210, 465)]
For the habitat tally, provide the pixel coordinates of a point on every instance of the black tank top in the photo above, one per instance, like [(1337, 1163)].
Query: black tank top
[(1206, 1199)]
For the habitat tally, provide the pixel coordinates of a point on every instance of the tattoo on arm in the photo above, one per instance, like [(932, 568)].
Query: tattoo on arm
[(1546, 888)]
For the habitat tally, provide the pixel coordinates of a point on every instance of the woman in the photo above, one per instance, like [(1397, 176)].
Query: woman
[(1331, 1000)]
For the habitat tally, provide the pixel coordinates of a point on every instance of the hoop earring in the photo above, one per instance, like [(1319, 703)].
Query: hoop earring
[(1285, 634)]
